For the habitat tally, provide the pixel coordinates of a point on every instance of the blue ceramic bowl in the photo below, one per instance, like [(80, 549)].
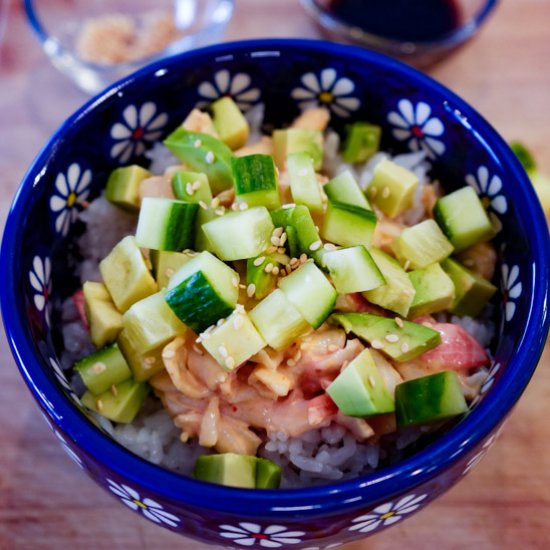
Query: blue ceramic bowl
[(415, 112)]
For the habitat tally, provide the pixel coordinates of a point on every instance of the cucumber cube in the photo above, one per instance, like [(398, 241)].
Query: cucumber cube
[(353, 270), (359, 390), (256, 181), (126, 274), (392, 188), (240, 235), (229, 469), (362, 141), (123, 186), (142, 365), (297, 140), (422, 244), (463, 219), (435, 291), (191, 187), (234, 341), (230, 123), (104, 319), (278, 321), (310, 292), (304, 186), (344, 188), (348, 225), (204, 215), (264, 281), (166, 224), (429, 399), (166, 263)]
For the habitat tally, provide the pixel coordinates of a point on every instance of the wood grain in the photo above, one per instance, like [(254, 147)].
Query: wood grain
[(45, 501)]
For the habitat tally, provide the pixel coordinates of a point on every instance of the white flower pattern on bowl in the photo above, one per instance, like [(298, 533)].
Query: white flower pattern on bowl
[(138, 128), (238, 87), (327, 90), (414, 124), (488, 188), (71, 189), (512, 289), (62, 379), (70, 453), (272, 536), (41, 283), (474, 460), (387, 513)]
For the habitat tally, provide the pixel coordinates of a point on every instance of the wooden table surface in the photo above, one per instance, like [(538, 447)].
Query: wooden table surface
[(46, 502)]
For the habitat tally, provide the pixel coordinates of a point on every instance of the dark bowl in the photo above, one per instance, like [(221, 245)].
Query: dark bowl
[(415, 112)]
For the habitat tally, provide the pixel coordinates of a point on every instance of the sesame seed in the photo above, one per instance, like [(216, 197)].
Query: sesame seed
[(235, 282), (288, 270), (250, 290), (376, 344), (291, 363), (404, 347), (372, 381), (427, 324), (386, 192), (197, 143), (275, 241), (220, 211), (196, 185), (281, 250), (238, 322), (230, 362), (271, 250), (406, 265), (288, 205), (243, 286), (278, 231), (399, 322), (215, 202), (298, 356), (303, 258), (317, 228), (392, 338), (275, 271), (269, 267), (198, 350), (169, 272), (114, 390), (149, 360), (220, 322), (333, 348), (373, 191), (204, 336), (99, 367), (315, 245), (222, 350), (329, 246), (294, 261), (209, 157), (239, 308), (189, 189), (282, 239), (168, 353), (259, 261), (243, 206), (99, 405), (203, 205)]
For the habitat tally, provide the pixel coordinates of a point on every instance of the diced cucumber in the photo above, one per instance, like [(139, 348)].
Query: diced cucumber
[(166, 224), (310, 292), (348, 225), (435, 291), (392, 188), (472, 292), (204, 215), (191, 187), (240, 235), (278, 321), (103, 369), (126, 274), (205, 154), (298, 140), (143, 365), (362, 141), (104, 319), (264, 281), (203, 291), (429, 399), (304, 186), (463, 219), (402, 342), (166, 263), (422, 244), (256, 181), (398, 292), (151, 323), (231, 125), (120, 404), (234, 341), (268, 474), (123, 186), (359, 390), (353, 270), (344, 188), (524, 156), (292, 241)]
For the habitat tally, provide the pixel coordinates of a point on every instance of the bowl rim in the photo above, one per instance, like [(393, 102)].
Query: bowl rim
[(327, 499)]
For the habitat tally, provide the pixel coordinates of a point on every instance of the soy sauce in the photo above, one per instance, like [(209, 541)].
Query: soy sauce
[(403, 20)]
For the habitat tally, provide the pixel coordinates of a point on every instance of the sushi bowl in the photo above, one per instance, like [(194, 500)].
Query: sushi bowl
[(415, 113)]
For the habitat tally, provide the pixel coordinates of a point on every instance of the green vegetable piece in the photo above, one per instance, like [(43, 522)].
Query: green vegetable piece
[(126, 274), (472, 292), (297, 140), (348, 225), (191, 187), (429, 399), (123, 186), (121, 404), (401, 343), (229, 469), (264, 282), (344, 188), (524, 155), (166, 263), (362, 142), (103, 369), (204, 215), (268, 474), (104, 319), (203, 153), (256, 181), (143, 365), (392, 188), (292, 241), (359, 390), (435, 291), (304, 186), (230, 123)]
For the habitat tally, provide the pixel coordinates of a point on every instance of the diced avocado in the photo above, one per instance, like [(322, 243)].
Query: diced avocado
[(268, 474), (230, 123), (119, 404), (310, 292), (191, 187), (205, 154), (392, 188), (353, 270), (398, 292), (362, 141), (123, 186), (234, 341), (103, 369), (229, 469), (166, 263), (297, 140), (104, 319), (278, 321), (463, 219), (126, 274), (304, 186), (256, 181), (402, 341), (348, 225), (240, 235), (472, 292), (344, 188), (143, 365), (151, 323), (264, 281), (429, 399), (359, 390), (435, 291), (422, 244)]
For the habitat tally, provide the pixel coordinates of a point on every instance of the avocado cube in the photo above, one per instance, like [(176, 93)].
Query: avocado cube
[(435, 291), (256, 181), (362, 142), (348, 225), (229, 469), (230, 123), (297, 140), (123, 186), (104, 319), (142, 365), (191, 187)]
